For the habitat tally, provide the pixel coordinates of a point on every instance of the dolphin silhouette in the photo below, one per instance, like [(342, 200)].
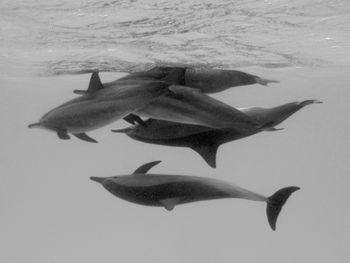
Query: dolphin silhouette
[(190, 106), (167, 191), (206, 140), (100, 107), (204, 79), (216, 80)]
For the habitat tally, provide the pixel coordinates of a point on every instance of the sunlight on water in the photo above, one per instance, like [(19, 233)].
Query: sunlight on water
[(60, 37)]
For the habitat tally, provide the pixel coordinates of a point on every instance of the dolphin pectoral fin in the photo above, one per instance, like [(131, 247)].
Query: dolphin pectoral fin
[(268, 127), (63, 135), (134, 119), (143, 169), (208, 152), (95, 83), (84, 137), (264, 82), (169, 203), (275, 203), (79, 91)]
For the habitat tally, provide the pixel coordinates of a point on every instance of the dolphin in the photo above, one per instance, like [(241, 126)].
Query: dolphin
[(190, 106), (205, 140), (216, 80), (99, 107), (205, 80), (162, 190)]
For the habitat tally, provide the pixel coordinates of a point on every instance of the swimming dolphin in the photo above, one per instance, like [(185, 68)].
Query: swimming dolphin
[(205, 80), (190, 106), (205, 140), (167, 74), (216, 80), (99, 107), (170, 190)]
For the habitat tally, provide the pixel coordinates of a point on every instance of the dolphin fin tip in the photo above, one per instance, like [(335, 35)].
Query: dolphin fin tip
[(276, 202), (32, 125)]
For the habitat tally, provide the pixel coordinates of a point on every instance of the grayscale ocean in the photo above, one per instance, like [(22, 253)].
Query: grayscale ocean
[(50, 212), (69, 37)]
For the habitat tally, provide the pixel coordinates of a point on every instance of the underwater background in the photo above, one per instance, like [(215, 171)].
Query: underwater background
[(52, 212)]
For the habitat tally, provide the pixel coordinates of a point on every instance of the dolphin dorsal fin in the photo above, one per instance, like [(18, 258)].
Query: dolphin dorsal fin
[(95, 83), (143, 169), (208, 152)]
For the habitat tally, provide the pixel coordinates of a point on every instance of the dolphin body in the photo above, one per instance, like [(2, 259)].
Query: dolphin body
[(205, 140), (100, 107), (170, 190), (190, 106), (205, 80)]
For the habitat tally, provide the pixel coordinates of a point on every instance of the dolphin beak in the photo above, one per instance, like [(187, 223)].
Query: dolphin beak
[(37, 124), (98, 179), (125, 130)]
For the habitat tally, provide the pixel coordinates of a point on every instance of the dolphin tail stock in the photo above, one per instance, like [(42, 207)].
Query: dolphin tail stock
[(208, 152), (276, 202), (264, 82)]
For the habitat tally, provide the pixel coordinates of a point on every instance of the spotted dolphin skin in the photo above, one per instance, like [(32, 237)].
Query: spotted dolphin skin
[(100, 107), (170, 190), (205, 140)]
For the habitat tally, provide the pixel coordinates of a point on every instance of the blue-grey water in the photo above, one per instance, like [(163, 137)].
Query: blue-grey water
[(64, 37)]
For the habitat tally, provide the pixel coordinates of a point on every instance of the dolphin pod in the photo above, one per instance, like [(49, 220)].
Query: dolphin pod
[(100, 107), (206, 140), (163, 190), (187, 105)]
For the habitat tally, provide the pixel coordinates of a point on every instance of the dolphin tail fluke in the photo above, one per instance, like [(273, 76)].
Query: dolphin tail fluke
[(276, 202), (208, 153), (33, 125), (264, 82)]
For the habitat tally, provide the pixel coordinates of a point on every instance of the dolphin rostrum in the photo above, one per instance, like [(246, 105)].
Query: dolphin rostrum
[(100, 107), (205, 140), (170, 190)]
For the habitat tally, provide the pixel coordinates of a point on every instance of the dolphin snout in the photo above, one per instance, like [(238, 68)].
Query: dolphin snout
[(97, 179), (33, 125)]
